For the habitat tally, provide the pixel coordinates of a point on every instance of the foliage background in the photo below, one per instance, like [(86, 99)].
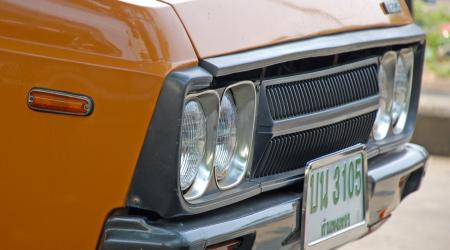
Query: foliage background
[(432, 17)]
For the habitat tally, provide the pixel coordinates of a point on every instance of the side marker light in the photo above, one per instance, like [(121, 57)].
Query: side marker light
[(59, 102)]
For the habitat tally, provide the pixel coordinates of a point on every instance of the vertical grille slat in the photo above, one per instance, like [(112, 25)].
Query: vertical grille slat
[(355, 77), (360, 76), (291, 99)]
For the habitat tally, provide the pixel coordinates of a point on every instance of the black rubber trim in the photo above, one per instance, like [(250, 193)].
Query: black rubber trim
[(155, 182), (313, 47)]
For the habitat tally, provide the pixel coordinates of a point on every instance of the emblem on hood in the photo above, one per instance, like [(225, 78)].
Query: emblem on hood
[(391, 6)]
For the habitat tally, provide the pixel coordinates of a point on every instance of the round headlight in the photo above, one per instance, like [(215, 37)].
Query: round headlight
[(226, 136), (402, 89), (386, 76), (193, 139)]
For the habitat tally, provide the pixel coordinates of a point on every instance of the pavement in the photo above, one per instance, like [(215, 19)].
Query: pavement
[(433, 120), (433, 123), (422, 220)]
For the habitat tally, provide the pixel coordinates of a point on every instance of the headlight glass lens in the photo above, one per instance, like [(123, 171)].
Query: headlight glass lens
[(226, 136), (386, 76), (193, 139), (234, 134), (402, 89)]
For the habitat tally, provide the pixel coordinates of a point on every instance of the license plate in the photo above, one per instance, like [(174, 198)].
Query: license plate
[(335, 199)]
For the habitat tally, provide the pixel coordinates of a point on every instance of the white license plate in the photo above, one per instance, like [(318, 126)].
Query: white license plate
[(334, 199)]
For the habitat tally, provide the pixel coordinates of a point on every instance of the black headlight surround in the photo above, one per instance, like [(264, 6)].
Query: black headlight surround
[(155, 184)]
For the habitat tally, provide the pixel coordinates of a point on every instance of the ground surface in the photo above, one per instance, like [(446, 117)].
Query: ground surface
[(422, 221)]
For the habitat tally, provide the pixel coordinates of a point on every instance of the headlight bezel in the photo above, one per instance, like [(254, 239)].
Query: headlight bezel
[(395, 139), (386, 79), (226, 140), (406, 57), (244, 94), (206, 184), (209, 100)]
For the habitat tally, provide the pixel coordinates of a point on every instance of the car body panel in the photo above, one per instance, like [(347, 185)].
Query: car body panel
[(62, 175), (228, 26)]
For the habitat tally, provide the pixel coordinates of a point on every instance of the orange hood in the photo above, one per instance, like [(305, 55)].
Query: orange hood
[(219, 27)]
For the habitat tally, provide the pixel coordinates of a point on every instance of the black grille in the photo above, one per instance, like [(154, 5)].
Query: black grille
[(293, 151), (301, 97)]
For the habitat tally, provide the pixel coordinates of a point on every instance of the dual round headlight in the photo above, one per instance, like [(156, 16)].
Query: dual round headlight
[(402, 89), (216, 142), (193, 140), (226, 136), (395, 78)]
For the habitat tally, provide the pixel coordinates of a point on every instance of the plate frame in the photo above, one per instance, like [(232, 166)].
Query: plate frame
[(351, 233)]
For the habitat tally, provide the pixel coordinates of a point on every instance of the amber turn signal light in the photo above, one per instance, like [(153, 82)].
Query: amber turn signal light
[(59, 102)]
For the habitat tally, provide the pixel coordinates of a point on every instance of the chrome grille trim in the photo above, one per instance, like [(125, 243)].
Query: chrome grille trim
[(323, 118)]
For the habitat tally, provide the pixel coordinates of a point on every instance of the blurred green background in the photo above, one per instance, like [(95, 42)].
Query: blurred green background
[(434, 17)]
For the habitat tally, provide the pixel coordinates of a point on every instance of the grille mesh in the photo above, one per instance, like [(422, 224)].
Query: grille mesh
[(293, 151), (311, 95)]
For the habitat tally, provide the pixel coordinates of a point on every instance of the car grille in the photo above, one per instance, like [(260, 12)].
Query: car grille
[(302, 97), (301, 116), (293, 151)]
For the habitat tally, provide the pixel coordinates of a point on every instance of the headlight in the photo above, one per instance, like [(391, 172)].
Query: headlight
[(234, 134), (386, 76), (402, 89), (226, 136), (193, 139)]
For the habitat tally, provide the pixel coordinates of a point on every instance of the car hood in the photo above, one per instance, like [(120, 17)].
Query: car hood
[(218, 27)]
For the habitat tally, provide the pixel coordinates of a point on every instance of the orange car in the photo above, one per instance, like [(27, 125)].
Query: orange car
[(205, 124)]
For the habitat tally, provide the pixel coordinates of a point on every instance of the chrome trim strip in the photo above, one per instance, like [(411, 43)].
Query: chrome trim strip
[(312, 47), (325, 117), (287, 178), (325, 72)]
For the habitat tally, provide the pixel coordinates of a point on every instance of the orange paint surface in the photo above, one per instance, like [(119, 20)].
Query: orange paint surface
[(61, 175), (219, 27)]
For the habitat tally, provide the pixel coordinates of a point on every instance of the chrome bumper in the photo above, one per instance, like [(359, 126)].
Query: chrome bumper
[(392, 177), (270, 220)]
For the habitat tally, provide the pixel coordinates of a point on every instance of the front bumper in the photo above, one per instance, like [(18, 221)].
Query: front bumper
[(270, 220)]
